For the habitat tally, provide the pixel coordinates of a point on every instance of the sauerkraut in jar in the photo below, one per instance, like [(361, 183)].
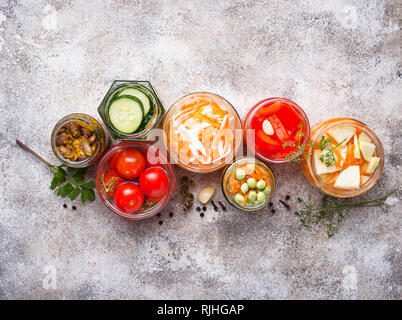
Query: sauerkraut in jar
[(201, 132)]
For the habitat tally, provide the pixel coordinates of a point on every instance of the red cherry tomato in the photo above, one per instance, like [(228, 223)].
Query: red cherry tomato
[(128, 197), (130, 164), (154, 199), (151, 157), (113, 160), (154, 182), (111, 181)]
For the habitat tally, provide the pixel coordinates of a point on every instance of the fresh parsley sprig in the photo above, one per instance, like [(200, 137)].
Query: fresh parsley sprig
[(70, 186), (332, 211), (324, 143), (328, 157)]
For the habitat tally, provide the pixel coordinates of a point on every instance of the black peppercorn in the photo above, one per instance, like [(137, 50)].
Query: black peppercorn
[(204, 208), (287, 197), (160, 222), (198, 209), (74, 207), (273, 211), (158, 214), (270, 204), (170, 214), (201, 214), (64, 206)]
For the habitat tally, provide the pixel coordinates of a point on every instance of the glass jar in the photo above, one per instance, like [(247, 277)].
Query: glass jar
[(202, 132), (143, 147), (96, 140), (150, 121), (321, 129), (232, 186), (270, 148)]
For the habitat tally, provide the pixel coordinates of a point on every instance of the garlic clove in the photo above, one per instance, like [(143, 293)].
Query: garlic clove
[(267, 128), (206, 194)]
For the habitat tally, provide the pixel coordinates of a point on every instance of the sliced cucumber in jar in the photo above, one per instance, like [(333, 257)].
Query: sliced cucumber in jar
[(126, 113), (146, 102)]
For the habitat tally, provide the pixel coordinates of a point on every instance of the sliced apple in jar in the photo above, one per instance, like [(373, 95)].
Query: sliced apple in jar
[(356, 147), (363, 137), (348, 178), (342, 133), (320, 167), (367, 150), (373, 164)]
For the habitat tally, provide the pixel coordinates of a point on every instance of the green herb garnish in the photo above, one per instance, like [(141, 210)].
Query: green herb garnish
[(329, 157), (332, 212), (324, 143), (70, 186), (294, 154)]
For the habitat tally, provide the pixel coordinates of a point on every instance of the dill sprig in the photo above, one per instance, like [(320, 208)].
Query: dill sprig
[(332, 211), (324, 143), (328, 157), (294, 155)]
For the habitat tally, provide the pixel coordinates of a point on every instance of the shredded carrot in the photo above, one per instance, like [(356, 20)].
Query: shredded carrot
[(338, 158), (217, 109), (214, 129), (188, 106), (245, 199), (203, 103), (257, 173), (350, 154), (332, 178), (209, 120)]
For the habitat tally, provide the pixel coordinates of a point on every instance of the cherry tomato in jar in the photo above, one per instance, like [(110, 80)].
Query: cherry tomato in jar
[(154, 199), (111, 181), (113, 160), (154, 182), (130, 164), (151, 157), (128, 197)]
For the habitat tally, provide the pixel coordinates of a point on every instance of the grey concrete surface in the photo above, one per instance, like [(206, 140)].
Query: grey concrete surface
[(334, 58)]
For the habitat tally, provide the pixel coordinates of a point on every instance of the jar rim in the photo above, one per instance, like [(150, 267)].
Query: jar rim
[(118, 88), (322, 128), (102, 194), (262, 103), (196, 168), (89, 120), (233, 166)]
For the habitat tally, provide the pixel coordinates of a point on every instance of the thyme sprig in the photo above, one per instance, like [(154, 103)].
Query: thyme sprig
[(332, 211), (294, 156), (328, 157)]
